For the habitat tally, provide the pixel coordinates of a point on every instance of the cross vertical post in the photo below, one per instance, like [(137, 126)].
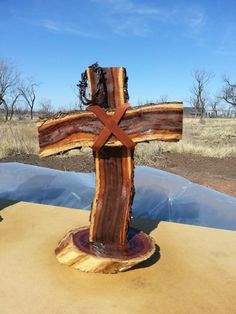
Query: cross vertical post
[(114, 166)]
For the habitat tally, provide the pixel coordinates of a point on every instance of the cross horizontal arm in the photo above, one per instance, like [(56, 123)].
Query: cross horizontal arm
[(161, 122)]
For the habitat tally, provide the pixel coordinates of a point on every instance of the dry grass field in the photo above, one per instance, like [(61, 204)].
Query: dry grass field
[(212, 138), (18, 137)]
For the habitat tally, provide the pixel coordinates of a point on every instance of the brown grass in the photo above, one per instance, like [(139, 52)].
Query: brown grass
[(212, 138), (18, 137)]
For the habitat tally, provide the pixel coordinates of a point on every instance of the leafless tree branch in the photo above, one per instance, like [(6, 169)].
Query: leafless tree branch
[(229, 92), (199, 98), (27, 91), (9, 80)]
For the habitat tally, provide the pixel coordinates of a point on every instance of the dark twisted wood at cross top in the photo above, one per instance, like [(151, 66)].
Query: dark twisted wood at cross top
[(99, 96)]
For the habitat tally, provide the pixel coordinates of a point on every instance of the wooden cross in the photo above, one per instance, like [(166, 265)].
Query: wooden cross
[(112, 128)]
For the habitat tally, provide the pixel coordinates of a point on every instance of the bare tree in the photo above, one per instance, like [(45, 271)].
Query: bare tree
[(229, 92), (27, 91), (12, 104), (45, 108), (162, 98), (9, 94), (199, 98), (214, 106)]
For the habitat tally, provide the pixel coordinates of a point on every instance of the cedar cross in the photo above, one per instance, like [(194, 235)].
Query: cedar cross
[(112, 128)]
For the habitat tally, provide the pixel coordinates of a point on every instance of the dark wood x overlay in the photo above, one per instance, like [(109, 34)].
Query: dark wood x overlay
[(111, 126)]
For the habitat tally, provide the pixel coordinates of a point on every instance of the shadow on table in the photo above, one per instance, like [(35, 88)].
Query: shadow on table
[(147, 226), (5, 203)]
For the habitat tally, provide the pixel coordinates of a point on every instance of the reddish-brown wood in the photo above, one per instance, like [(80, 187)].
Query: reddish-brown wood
[(77, 251), (110, 123), (161, 122), (114, 166), (115, 83), (111, 207), (104, 135), (112, 134)]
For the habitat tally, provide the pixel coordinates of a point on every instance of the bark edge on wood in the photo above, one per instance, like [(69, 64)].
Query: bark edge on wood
[(72, 251)]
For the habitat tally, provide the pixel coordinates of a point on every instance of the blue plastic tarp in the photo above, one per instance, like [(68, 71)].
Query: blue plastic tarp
[(159, 195)]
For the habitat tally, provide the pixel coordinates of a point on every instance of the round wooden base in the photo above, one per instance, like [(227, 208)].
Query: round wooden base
[(76, 251)]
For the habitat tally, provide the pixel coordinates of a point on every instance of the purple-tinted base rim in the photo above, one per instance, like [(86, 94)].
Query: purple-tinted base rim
[(138, 244)]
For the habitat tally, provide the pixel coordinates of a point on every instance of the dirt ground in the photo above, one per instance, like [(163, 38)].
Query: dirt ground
[(216, 173)]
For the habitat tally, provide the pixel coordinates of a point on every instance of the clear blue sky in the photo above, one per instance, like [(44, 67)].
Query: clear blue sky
[(159, 42)]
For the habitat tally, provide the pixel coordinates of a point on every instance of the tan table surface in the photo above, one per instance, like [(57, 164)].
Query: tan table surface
[(196, 271)]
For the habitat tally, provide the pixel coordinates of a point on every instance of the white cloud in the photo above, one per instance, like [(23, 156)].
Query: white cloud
[(127, 17), (130, 26), (129, 7), (63, 29), (196, 20), (50, 25)]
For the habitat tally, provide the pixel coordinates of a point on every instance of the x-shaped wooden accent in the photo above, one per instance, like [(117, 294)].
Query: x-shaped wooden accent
[(111, 126)]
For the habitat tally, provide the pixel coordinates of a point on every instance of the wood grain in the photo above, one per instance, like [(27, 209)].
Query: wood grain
[(115, 79), (75, 250), (161, 122), (114, 166), (111, 206)]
